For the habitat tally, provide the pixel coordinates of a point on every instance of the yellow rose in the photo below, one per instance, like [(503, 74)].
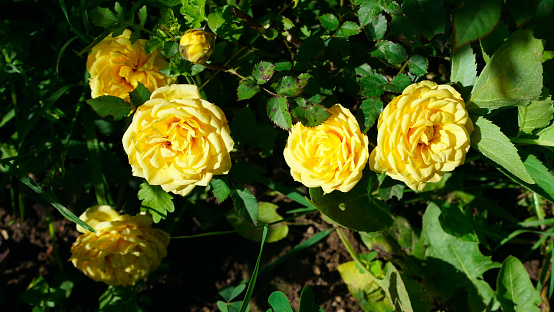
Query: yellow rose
[(123, 250), (116, 67), (178, 140), (197, 45), (422, 133), (331, 155)]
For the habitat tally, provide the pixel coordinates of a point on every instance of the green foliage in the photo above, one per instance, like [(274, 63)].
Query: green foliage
[(107, 105), (475, 19), (267, 214), (514, 289), (155, 201)]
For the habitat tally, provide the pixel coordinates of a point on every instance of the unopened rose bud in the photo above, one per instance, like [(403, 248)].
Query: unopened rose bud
[(197, 45)]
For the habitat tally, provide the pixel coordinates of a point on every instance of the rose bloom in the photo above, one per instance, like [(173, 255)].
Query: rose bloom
[(123, 250), (178, 140), (422, 133), (331, 155), (116, 67), (197, 45)]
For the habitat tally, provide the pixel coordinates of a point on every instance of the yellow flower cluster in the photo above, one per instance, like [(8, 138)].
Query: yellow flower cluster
[(123, 250), (116, 67), (197, 45), (422, 133), (178, 140), (331, 155)]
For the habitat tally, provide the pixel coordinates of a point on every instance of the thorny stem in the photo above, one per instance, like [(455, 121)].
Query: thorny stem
[(167, 33)]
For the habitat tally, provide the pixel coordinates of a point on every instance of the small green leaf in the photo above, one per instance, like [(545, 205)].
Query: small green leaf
[(543, 177), (474, 19), (398, 83), (390, 188), (111, 105), (373, 85), (417, 65), (492, 143), (281, 66), (513, 76), (267, 213), (536, 115), (291, 86), (139, 95), (142, 15), (311, 115), (279, 302), (390, 52), (224, 24), (464, 67), (371, 109), (377, 28), (103, 17), (171, 48), (247, 89), (246, 205), (277, 110), (428, 16), (367, 11), (329, 21), (362, 212), (348, 29), (546, 136), (515, 292), (229, 293), (397, 289), (156, 201), (220, 188), (307, 301), (262, 72)]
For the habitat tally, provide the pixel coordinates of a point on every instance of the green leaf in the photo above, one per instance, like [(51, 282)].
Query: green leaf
[(307, 300), (103, 17), (461, 258), (371, 109), (398, 83), (220, 188), (536, 115), (111, 105), (194, 12), (355, 210), (262, 72), (139, 95), (142, 15), (348, 29), (492, 143), (418, 65), (247, 89), (267, 213), (390, 187), (428, 16), (311, 115), (515, 292), (396, 288), (474, 19), (281, 66), (390, 52), (464, 67), (291, 86), (329, 21), (376, 29), (367, 11), (373, 85), (543, 177), (546, 136), (156, 201), (229, 293), (246, 205), (513, 76), (224, 24), (277, 110), (279, 302)]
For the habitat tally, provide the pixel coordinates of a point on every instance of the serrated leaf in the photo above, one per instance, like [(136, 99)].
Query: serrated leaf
[(543, 177), (355, 210), (463, 258), (279, 302), (156, 201), (246, 205), (464, 66), (417, 65), (107, 105), (139, 95), (277, 111), (474, 19), (103, 17), (267, 213), (376, 29), (373, 85), (262, 72), (398, 83), (546, 136), (247, 89), (536, 115), (367, 11), (390, 52), (329, 21), (224, 24), (428, 16), (513, 76), (348, 29), (220, 188), (492, 143), (371, 109), (311, 115), (291, 86), (515, 292)]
